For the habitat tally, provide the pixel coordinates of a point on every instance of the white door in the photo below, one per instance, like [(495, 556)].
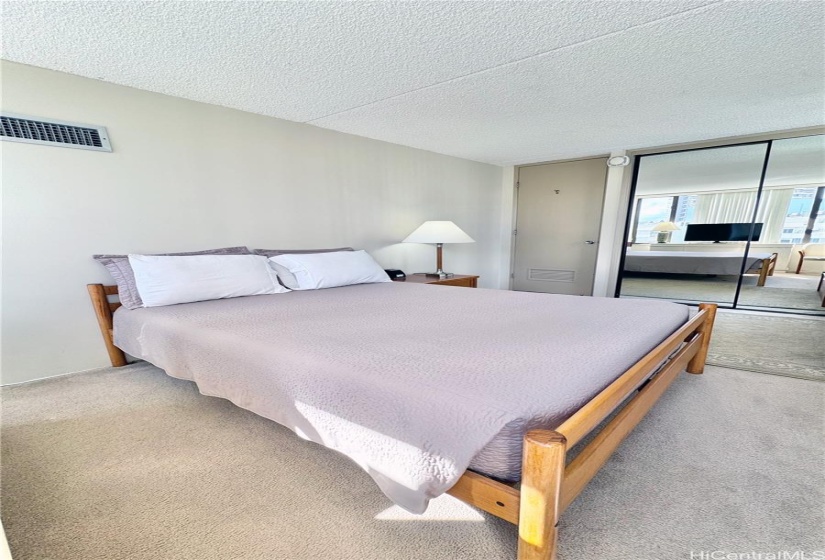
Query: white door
[(557, 226)]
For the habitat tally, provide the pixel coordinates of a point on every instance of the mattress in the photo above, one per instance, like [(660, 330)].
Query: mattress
[(414, 383), (691, 262)]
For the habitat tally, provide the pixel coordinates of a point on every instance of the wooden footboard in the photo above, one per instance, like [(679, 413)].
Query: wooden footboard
[(548, 484)]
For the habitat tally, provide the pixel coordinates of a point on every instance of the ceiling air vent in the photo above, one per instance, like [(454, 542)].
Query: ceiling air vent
[(17, 128), (551, 275)]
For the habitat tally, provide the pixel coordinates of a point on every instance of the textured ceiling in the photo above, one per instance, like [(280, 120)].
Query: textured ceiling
[(500, 82)]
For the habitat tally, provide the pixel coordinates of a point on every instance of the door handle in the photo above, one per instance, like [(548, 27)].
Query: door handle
[(590, 242)]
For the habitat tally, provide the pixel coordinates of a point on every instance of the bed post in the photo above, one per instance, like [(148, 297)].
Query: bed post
[(541, 478), (767, 268), (103, 311), (697, 363)]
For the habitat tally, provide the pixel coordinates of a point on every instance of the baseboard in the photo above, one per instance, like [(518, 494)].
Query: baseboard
[(59, 375)]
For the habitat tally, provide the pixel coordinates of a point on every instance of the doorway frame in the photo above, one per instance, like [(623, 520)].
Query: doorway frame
[(514, 229)]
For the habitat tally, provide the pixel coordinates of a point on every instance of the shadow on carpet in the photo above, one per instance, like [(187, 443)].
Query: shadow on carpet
[(776, 345)]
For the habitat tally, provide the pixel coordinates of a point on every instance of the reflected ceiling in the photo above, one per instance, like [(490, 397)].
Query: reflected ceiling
[(793, 162)]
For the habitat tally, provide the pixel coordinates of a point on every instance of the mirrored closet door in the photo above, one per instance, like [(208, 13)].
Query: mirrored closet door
[(741, 225), (690, 224), (792, 212)]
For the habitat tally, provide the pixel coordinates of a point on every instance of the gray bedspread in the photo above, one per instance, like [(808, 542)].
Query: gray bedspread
[(691, 262), (412, 382)]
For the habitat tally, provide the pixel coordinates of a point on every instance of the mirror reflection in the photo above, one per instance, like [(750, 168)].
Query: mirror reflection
[(693, 214), (792, 206)]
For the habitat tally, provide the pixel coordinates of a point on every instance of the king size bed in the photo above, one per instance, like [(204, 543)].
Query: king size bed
[(728, 263), (476, 393)]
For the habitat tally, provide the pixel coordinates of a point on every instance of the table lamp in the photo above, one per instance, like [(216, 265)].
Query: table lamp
[(664, 230), (438, 232)]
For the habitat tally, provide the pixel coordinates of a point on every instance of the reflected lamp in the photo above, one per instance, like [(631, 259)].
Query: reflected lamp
[(664, 231)]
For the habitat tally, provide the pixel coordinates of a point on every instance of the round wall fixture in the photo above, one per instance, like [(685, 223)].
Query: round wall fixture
[(618, 161)]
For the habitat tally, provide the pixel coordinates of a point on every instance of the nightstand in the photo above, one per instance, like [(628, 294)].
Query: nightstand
[(455, 280)]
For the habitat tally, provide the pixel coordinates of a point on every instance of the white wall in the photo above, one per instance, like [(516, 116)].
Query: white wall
[(188, 176)]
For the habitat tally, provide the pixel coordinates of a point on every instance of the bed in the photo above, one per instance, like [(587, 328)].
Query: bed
[(404, 380), (695, 262)]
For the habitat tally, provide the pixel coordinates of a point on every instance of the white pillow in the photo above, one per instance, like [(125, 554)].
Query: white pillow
[(311, 271), (166, 280), (285, 276)]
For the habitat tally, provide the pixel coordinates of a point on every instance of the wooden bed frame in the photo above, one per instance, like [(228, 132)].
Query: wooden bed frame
[(767, 268), (549, 483)]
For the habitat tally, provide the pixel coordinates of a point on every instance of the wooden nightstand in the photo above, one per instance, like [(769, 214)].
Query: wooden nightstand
[(455, 280)]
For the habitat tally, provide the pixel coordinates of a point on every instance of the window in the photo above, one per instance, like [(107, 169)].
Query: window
[(804, 210), (649, 212), (786, 213)]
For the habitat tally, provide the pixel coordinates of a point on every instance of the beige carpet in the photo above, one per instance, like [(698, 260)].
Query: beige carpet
[(131, 464)]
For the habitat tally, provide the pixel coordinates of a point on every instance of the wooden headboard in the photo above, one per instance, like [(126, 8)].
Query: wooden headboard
[(104, 310)]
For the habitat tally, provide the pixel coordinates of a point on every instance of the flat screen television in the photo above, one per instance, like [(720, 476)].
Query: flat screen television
[(722, 232)]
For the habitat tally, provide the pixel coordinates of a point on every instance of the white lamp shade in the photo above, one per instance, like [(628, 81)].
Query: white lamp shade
[(665, 226), (438, 232)]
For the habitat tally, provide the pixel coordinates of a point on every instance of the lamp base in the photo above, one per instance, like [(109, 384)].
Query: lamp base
[(439, 273)]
